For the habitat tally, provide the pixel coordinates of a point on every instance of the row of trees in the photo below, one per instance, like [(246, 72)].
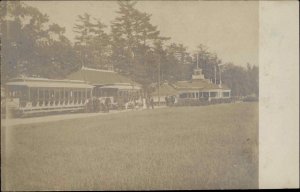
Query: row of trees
[(32, 46)]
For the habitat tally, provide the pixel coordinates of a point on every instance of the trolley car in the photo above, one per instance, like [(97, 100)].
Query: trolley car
[(122, 95), (38, 95)]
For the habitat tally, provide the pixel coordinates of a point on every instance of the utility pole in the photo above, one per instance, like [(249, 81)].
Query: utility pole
[(220, 84), (158, 80), (132, 62), (220, 79), (215, 75), (197, 61)]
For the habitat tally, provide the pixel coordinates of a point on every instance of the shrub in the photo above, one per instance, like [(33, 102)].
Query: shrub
[(250, 99)]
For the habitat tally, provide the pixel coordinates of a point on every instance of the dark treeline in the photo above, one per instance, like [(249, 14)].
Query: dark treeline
[(32, 46)]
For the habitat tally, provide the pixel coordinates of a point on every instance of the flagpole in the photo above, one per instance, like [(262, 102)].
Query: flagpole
[(220, 84)]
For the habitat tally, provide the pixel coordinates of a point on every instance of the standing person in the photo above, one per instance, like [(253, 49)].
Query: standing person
[(173, 100), (147, 102), (135, 103), (121, 104), (144, 105), (93, 104), (97, 105), (107, 102), (167, 101), (152, 102)]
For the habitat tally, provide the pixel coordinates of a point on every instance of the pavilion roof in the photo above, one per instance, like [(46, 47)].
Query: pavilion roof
[(98, 77), (165, 90), (197, 85)]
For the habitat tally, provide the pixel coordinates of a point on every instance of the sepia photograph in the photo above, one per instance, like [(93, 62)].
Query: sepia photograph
[(129, 95)]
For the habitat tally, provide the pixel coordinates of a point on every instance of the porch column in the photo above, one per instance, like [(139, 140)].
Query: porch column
[(38, 94)]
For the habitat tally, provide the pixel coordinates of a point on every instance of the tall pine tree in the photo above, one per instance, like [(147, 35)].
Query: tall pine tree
[(133, 38), (92, 42)]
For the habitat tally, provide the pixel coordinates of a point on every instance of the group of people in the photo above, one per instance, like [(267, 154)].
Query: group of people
[(134, 103), (105, 104), (149, 102), (97, 105), (170, 100)]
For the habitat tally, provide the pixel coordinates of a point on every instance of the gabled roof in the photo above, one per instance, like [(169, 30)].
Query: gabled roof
[(165, 90), (99, 77)]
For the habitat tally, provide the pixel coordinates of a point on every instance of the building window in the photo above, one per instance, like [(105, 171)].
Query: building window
[(61, 94), (41, 94), (225, 94), (51, 92), (34, 96), (183, 95), (75, 96), (200, 94), (56, 94), (213, 94), (205, 94)]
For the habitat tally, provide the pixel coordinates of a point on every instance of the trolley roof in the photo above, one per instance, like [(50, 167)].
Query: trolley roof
[(43, 82), (124, 87)]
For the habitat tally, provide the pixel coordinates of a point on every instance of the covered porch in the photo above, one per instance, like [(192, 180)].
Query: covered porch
[(208, 94)]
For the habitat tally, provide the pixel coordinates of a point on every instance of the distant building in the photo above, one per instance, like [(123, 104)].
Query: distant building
[(197, 88), (164, 91), (2, 92)]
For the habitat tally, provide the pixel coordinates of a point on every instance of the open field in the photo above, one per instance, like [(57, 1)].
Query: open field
[(169, 148)]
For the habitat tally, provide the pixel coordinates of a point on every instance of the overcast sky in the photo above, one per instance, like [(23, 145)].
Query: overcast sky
[(229, 28)]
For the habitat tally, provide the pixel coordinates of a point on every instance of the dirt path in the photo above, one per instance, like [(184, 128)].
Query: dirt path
[(51, 118)]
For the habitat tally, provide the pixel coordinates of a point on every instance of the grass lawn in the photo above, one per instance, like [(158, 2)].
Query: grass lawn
[(169, 148)]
